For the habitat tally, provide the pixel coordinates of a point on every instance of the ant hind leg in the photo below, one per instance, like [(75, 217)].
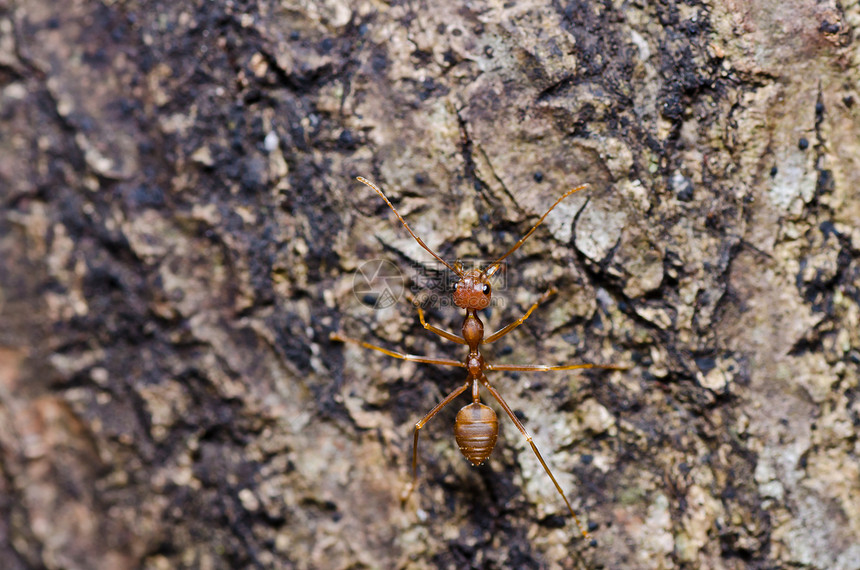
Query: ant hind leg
[(404, 496), (546, 468)]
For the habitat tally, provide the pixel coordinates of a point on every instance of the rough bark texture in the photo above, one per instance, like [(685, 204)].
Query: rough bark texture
[(181, 229)]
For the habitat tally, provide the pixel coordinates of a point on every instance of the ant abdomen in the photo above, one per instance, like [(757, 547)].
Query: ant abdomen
[(475, 430)]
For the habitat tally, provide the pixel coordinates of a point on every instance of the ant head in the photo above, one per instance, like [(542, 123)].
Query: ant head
[(472, 291)]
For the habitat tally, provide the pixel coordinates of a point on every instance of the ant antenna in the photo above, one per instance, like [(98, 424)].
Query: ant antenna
[(459, 272), (492, 268)]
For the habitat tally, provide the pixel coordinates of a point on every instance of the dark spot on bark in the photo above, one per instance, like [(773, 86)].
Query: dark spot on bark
[(379, 61), (826, 183), (147, 196), (706, 364), (829, 28), (553, 521), (827, 228), (346, 139), (685, 190)]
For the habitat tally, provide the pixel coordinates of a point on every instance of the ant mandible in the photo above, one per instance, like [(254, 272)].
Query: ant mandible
[(476, 427)]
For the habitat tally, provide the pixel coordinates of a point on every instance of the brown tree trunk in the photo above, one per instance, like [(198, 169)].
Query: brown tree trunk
[(181, 231)]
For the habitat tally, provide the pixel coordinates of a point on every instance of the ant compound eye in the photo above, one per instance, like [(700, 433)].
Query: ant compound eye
[(486, 289)]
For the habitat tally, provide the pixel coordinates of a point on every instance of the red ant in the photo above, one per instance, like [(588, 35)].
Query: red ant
[(476, 426)]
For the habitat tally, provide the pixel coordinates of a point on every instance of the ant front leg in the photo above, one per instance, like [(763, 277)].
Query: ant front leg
[(404, 496), (441, 332), (502, 332)]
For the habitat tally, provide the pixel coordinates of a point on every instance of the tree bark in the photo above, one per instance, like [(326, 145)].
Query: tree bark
[(182, 231)]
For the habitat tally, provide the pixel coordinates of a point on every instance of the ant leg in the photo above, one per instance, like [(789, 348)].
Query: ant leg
[(408, 490), (502, 332), (400, 355), (547, 368), (431, 328), (523, 431)]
